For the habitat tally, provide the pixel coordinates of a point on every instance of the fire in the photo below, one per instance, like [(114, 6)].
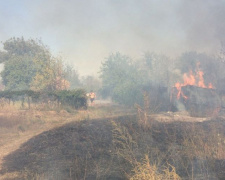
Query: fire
[(178, 86), (201, 80), (196, 79), (210, 86), (189, 79)]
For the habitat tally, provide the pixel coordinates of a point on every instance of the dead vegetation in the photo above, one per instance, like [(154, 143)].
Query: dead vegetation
[(105, 143), (19, 124)]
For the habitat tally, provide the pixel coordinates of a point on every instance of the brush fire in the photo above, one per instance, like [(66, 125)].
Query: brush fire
[(197, 97)]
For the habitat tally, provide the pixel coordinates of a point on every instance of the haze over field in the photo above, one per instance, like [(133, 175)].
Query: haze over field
[(112, 89), (85, 32)]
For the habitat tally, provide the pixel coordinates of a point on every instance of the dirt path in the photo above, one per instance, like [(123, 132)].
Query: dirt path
[(13, 145), (12, 138)]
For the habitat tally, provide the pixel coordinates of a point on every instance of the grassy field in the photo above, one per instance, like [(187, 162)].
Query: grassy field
[(109, 142)]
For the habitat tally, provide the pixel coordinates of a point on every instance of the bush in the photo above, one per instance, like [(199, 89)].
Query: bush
[(74, 98)]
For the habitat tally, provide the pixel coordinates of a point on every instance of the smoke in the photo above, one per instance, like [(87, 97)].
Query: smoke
[(203, 24), (86, 32), (180, 106)]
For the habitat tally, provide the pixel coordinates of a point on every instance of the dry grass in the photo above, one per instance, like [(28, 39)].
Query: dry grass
[(146, 171), (19, 125), (127, 148), (100, 149), (103, 143)]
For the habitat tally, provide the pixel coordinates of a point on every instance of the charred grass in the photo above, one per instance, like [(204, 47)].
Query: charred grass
[(123, 148), (18, 125)]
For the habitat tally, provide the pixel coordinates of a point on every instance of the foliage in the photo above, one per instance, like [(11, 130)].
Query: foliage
[(156, 68), (59, 75), (43, 78), (74, 98), (127, 81), (18, 73), (72, 76), (28, 64), (121, 79), (22, 60)]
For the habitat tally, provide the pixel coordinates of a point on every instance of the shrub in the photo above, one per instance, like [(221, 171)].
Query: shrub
[(74, 98)]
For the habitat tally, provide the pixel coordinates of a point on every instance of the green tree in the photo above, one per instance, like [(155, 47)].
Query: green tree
[(18, 73), (72, 76), (156, 68), (121, 80), (22, 61), (28, 64)]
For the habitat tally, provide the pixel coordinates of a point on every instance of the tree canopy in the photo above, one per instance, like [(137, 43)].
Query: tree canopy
[(121, 79), (28, 64)]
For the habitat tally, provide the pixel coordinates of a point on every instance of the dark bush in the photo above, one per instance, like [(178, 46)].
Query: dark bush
[(74, 98)]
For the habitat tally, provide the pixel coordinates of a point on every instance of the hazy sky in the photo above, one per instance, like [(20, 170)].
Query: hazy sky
[(85, 32)]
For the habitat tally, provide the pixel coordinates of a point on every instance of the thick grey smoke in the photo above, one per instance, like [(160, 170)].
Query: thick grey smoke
[(88, 31), (203, 24)]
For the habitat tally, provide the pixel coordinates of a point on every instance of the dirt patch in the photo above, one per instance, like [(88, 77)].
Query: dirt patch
[(182, 116)]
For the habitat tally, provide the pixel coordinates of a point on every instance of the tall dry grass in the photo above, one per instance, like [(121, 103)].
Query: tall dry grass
[(141, 168), (141, 148), (147, 171)]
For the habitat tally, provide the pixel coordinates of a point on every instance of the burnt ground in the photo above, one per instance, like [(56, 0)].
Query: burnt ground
[(88, 149), (64, 152)]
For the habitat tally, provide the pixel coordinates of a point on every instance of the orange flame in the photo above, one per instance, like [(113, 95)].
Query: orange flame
[(191, 79), (201, 79), (210, 86)]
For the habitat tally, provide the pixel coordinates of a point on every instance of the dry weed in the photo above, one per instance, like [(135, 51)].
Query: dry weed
[(127, 149), (146, 171)]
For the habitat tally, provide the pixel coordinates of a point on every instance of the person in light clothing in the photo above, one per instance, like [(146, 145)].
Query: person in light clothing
[(92, 96)]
